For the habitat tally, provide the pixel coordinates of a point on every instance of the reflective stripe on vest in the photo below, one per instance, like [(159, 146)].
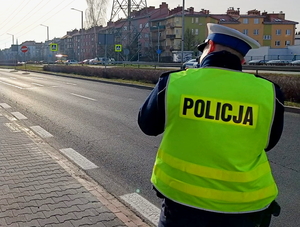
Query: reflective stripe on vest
[(212, 153)]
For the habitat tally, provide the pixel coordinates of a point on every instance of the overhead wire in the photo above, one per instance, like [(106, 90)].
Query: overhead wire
[(32, 14)]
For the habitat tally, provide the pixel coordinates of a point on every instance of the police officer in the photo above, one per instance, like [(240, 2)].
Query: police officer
[(211, 168)]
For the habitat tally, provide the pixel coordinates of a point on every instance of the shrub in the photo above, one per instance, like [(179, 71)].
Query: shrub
[(290, 84), (136, 74)]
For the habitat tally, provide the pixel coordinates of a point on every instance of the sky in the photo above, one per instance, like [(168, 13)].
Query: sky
[(28, 20)]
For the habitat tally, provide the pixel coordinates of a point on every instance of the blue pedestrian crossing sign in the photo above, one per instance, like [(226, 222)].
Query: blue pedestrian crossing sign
[(53, 47), (118, 48)]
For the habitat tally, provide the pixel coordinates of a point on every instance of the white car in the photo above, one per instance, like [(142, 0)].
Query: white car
[(70, 62), (189, 64), (296, 62)]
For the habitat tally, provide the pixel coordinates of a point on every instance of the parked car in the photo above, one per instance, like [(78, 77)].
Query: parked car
[(296, 62), (85, 61), (277, 62), (257, 62), (72, 61), (189, 64), (101, 60)]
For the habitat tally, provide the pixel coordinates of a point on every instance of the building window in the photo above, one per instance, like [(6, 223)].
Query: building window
[(141, 25), (125, 28), (287, 43), (146, 35), (196, 20), (146, 25), (288, 32), (256, 21), (277, 43), (267, 37), (192, 31), (196, 31), (245, 31), (245, 21), (278, 31), (255, 32), (192, 20)]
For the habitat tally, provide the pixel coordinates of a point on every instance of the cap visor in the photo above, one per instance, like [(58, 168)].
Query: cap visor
[(201, 46)]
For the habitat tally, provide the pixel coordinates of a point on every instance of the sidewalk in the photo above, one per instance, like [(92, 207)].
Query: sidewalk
[(40, 187)]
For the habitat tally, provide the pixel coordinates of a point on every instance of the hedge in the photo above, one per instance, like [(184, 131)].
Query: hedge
[(290, 84)]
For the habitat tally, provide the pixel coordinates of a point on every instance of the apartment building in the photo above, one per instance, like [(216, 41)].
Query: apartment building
[(152, 34)]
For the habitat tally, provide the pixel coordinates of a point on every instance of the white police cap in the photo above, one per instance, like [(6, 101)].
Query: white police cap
[(229, 37)]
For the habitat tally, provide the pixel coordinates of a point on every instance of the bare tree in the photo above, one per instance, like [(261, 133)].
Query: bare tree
[(95, 13), (95, 16)]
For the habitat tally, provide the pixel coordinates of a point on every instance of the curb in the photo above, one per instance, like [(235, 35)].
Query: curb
[(292, 109)]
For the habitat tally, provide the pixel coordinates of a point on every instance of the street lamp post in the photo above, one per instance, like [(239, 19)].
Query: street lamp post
[(157, 42), (13, 38), (182, 36), (47, 49), (47, 31), (80, 54)]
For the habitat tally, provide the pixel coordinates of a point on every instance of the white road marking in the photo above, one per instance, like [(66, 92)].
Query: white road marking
[(37, 78), (5, 106), (38, 84), (80, 160), (19, 116), (11, 85), (42, 132), (84, 97), (143, 206), (71, 84)]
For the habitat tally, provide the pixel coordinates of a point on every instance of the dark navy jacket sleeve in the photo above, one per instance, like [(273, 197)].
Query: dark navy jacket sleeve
[(151, 118), (277, 125)]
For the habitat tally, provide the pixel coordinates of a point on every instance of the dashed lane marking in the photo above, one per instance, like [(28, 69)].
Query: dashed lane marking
[(40, 85), (42, 132), (19, 116), (84, 97), (11, 85), (143, 206), (80, 160)]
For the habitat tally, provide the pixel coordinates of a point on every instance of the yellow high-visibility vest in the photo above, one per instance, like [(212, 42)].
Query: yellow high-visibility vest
[(212, 154)]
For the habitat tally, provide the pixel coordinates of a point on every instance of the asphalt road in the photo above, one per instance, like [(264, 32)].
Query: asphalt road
[(98, 120)]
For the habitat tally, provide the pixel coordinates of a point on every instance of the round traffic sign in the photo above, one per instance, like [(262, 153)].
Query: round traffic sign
[(24, 49)]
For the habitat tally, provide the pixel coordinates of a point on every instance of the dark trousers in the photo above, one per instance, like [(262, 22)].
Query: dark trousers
[(176, 215)]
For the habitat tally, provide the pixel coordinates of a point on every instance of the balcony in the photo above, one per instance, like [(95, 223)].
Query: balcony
[(170, 36), (160, 27)]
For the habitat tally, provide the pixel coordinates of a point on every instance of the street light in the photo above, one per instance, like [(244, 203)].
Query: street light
[(157, 42), (158, 50), (47, 50), (81, 30), (182, 36), (13, 38), (47, 31)]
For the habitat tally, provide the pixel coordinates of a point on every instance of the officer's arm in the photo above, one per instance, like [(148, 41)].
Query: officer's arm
[(277, 125), (151, 118)]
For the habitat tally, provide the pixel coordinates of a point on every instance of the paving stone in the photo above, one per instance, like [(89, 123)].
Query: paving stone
[(35, 191)]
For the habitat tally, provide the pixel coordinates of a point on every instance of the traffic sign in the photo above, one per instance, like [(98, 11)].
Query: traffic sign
[(158, 51), (53, 47), (118, 48), (24, 49)]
